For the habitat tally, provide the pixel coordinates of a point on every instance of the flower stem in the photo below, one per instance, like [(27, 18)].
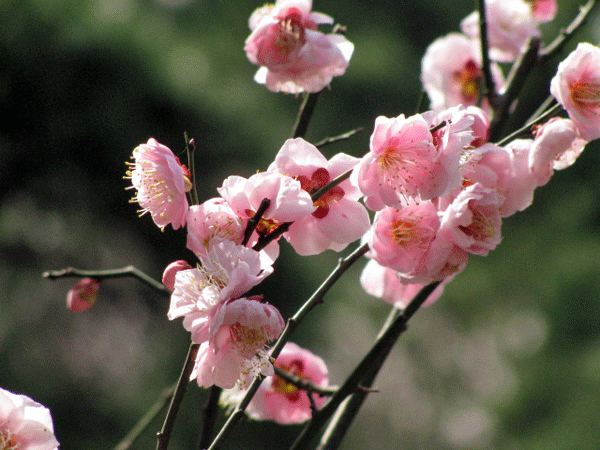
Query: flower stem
[(165, 433), (128, 271), (369, 365), (305, 114), (146, 419)]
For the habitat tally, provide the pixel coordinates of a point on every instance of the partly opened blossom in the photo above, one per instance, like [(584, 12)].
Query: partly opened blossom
[(24, 424), (234, 353), (383, 282), (168, 278), (227, 273), (576, 86), (161, 183), (451, 72), (472, 218), (543, 10), (294, 56), (289, 202), (556, 146), (83, 295), (279, 400), (339, 218), (510, 24), (400, 163)]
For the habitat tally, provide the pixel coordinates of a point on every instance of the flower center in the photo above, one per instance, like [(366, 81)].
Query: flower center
[(586, 94), (8, 441), (319, 179), (290, 37), (469, 79), (480, 228), (288, 389)]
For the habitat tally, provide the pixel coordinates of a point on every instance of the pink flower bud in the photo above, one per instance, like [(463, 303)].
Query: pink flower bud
[(168, 277), (83, 295)]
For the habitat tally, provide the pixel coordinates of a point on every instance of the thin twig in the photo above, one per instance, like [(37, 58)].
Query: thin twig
[(340, 137), (125, 272), (305, 114), (333, 183), (557, 44), (165, 433), (209, 414), (303, 384), (146, 419), (486, 65), (526, 129), (382, 346), (253, 222), (190, 148)]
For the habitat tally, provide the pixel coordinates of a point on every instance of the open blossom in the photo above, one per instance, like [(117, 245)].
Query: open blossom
[(400, 163), (556, 146), (576, 86), (451, 72), (339, 218), (161, 183), (227, 272), (25, 424), (83, 295), (383, 282), (212, 219), (400, 238), (234, 352), (510, 25), (280, 401), (289, 202), (472, 218), (294, 56)]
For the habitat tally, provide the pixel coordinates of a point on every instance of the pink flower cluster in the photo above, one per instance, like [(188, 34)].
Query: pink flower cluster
[(451, 69), (25, 424), (294, 56)]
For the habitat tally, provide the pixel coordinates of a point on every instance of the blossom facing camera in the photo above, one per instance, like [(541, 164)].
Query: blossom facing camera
[(294, 56), (25, 424), (161, 182), (83, 295), (234, 353), (576, 86)]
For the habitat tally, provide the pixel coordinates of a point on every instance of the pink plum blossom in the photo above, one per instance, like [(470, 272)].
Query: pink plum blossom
[(576, 86), (280, 401), (400, 164), (234, 353), (543, 10), (212, 219), (168, 278), (25, 424), (339, 218), (401, 237), (556, 146), (505, 169), (289, 202), (472, 218), (83, 295), (294, 56), (451, 72), (228, 271), (383, 282), (510, 25), (161, 183)]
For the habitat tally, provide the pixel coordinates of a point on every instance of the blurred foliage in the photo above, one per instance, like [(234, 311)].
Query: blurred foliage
[(508, 359)]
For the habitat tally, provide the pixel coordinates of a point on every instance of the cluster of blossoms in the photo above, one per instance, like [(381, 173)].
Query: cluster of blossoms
[(24, 424), (436, 188), (451, 69)]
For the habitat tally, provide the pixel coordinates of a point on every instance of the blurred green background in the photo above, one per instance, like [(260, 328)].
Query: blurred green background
[(509, 358)]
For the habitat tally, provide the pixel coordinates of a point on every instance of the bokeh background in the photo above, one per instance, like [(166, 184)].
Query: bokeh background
[(509, 358)]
